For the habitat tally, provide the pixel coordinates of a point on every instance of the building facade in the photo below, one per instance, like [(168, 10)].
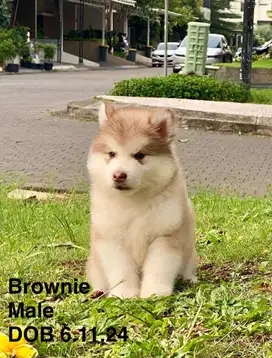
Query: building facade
[(263, 9)]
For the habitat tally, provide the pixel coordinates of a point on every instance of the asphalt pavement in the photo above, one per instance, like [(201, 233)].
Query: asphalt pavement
[(42, 150)]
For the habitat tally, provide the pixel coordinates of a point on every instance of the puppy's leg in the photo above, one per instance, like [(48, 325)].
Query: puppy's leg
[(94, 270), (189, 270), (161, 268), (120, 269), (96, 275)]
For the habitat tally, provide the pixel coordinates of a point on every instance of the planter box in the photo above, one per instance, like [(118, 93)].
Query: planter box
[(12, 67), (26, 64), (48, 66), (258, 75)]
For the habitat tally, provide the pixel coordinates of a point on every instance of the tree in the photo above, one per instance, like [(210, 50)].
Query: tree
[(188, 9), (5, 13), (221, 16), (263, 33)]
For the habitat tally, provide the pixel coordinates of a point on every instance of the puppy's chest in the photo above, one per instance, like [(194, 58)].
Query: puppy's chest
[(136, 226)]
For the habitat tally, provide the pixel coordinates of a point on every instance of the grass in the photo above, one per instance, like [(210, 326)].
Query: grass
[(227, 314), (266, 63), (261, 96)]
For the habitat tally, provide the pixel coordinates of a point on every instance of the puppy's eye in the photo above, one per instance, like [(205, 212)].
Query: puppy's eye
[(111, 154), (139, 156)]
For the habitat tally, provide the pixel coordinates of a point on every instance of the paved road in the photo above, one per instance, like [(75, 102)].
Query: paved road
[(43, 150)]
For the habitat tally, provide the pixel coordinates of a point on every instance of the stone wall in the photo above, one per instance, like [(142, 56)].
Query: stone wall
[(90, 49), (259, 75)]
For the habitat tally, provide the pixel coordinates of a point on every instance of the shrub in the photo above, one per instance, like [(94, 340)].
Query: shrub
[(49, 51), (7, 46), (19, 36), (182, 86), (263, 33), (120, 54)]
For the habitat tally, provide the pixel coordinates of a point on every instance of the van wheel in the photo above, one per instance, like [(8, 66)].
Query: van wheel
[(229, 59), (176, 70)]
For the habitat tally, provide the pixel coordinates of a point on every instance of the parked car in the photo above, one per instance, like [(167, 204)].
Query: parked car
[(158, 54), (218, 51), (260, 50)]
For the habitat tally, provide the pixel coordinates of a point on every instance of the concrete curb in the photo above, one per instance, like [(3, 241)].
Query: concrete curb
[(217, 116)]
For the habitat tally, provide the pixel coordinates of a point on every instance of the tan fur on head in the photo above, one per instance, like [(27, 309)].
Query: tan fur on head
[(161, 119)]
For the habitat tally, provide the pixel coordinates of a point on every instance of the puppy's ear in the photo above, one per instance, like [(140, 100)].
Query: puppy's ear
[(164, 121), (105, 112)]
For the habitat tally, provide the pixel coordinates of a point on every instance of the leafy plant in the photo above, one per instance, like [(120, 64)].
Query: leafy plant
[(111, 39), (263, 33), (120, 54), (19, 37), (49, 51), (182, 86), (38, 46), (7, 46), (5, 13)]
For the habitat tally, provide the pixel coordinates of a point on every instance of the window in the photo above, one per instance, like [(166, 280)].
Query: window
[(170, 46), (213, 42)]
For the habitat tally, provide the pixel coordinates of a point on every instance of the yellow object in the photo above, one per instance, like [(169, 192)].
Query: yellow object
[(18, 349)]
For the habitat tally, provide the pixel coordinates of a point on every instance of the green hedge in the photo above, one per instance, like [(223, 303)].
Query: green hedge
[(182, 86)]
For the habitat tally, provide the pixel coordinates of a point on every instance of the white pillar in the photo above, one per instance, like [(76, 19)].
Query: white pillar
[(148, 32), (103, 24), (126, 25), (111, 18), (61, 28)]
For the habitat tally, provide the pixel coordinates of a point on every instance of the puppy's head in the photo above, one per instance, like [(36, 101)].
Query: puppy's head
[(134, 149)]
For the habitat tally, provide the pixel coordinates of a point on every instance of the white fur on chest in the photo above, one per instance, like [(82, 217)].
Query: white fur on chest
[(135, 224)]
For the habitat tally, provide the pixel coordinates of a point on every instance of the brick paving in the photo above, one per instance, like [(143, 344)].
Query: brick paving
[(43, 150)]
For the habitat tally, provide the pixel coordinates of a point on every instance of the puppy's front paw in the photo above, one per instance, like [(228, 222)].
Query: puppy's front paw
[(158, 290), (124, 292), (193, 279)]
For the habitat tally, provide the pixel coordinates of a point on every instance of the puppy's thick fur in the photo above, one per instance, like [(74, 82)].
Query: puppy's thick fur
[(142, 222)]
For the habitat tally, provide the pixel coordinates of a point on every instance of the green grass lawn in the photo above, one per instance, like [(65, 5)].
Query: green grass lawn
[(261, 96), (227, 314), (266, 63)]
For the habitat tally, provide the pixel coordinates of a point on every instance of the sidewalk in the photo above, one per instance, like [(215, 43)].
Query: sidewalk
[(222, 116), (71, 68), (47, 151)]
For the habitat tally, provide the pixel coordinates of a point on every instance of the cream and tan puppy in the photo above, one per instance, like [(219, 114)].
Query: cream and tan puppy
[(142, 222)]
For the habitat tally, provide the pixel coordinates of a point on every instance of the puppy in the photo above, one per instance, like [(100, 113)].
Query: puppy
[(142, 222)]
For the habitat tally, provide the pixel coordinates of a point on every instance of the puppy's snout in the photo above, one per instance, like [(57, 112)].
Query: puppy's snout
[(119, 177)]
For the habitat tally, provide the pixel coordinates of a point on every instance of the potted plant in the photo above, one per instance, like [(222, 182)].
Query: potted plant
[(36, 63), (132, 54), (19, 38), (49, 54), (8, 51), (26, 61)]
